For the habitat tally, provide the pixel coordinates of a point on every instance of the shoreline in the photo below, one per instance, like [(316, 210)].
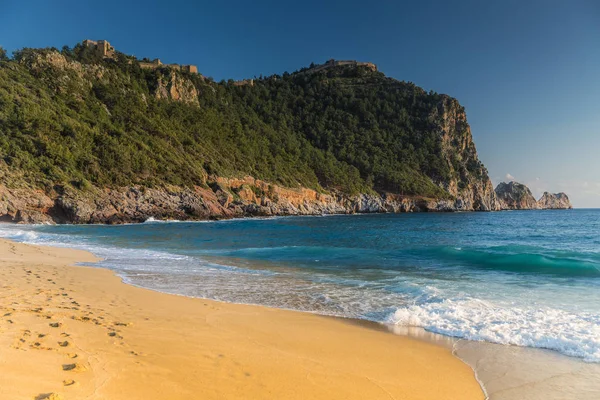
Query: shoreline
[(129, 343), (222, 218)]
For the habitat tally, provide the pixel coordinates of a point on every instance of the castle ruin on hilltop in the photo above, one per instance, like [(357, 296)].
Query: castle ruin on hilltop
[(337, 63), (102, 47), (105, 50)]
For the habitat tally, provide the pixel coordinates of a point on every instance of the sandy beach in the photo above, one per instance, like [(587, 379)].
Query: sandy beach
[(71, 332)]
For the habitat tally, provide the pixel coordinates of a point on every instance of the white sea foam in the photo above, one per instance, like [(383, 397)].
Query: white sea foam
[(576, 335)]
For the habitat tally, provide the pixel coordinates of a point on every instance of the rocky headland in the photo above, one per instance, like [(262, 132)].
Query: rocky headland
[(101, 138)]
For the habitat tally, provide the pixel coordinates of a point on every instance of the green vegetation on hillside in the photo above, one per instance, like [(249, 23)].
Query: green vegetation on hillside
[(98, 122)]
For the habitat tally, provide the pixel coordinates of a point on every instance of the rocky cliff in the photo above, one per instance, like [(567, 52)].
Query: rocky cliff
[(224, 198), (172, 86), (516, 196), (559, 201), (468, 181)]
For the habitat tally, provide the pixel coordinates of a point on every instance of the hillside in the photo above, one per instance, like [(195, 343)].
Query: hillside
[(85, 138)]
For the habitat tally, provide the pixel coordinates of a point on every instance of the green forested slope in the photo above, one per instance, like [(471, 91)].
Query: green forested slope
[(71, 118)]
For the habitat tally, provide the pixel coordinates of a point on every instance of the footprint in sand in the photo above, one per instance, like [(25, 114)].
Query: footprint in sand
[(49, 396), (68, 382), (55, 324), (76, 367), (63, 344)]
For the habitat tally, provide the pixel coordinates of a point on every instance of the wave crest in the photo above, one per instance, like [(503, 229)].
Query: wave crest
[(576, 335)]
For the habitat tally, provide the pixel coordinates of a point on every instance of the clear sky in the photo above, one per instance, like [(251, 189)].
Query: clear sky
[(528, 72)]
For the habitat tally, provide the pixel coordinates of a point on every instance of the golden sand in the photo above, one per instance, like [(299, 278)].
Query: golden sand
[(75, 333)]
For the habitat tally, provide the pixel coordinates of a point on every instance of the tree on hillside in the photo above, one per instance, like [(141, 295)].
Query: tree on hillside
[(3, 56)]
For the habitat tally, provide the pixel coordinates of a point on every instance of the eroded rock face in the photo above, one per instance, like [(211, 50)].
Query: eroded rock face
[(468, 183), (26, 206), (515, 196), (558, 201), (224, 198), (173, 86), (245, 197)]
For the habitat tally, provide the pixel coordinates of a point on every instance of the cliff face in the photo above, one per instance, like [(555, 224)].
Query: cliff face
[(173, 86), (554, 201), (468, 183), (516, 196)]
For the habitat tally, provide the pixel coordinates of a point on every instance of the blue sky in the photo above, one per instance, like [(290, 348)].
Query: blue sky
[(528, 72)]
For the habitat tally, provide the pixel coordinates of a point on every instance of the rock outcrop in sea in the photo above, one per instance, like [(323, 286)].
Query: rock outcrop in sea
[(517, 196), (558, 201)]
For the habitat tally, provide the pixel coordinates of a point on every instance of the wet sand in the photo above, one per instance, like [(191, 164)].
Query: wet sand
[(517, 373), (78, 332)]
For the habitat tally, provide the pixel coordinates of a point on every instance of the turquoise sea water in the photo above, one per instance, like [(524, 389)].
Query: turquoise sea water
[(528, 278)]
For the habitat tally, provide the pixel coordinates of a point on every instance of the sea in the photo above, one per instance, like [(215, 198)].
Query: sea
[(509, 280)]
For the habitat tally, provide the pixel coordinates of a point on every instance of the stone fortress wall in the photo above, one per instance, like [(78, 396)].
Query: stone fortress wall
[(156, 63), (105, 50), (336, 63)]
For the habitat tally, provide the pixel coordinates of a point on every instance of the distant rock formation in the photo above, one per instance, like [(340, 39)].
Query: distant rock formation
[(554, 201), (516, 196)]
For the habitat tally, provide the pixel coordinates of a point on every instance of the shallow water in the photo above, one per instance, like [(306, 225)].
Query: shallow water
[(528, 278)]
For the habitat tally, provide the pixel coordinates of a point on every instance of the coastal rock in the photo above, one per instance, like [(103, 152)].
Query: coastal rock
[(25, 206), (239, 197), (515, 196), (468, 182), (559, 201)]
